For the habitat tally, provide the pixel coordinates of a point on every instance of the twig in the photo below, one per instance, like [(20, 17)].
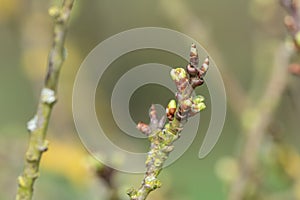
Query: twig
[(258, 123), (161, 135), (191, 24), (37, 127)]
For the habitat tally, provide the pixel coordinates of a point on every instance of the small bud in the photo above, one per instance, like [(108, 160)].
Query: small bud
[(198, 104), (171, 109), (195, 82), (198, 107), (48, 96), (32, 124), (197, 99), (178, 74), (144, 128), (54, 11), (194, 51), (192, 71), (204, 67), (21, 181), (194, 59), (172, 104), (44, 147), (168, 149)]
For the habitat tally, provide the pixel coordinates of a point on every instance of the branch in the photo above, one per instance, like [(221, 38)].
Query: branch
[(37, 127), (262, 118), (190, 23), (258, 124), (162, 135)]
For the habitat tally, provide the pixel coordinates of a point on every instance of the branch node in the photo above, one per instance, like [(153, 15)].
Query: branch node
[(32, 124), (48, 96), (44, 147), (31, 158)]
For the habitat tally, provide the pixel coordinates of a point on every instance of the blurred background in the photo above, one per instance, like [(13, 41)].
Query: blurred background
[(242, 38)]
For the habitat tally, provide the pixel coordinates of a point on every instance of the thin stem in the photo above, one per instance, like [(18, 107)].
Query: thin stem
[(37, 127)]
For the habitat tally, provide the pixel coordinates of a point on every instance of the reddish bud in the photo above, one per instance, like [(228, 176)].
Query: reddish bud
[(192, 71), (294, 69), (144, 128)]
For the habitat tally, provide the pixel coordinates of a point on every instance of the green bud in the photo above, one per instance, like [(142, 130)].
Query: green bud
[(202, 106), (54, 11), (297, 38), (177, 74), (198, 107), (198, 99), (172, 104)]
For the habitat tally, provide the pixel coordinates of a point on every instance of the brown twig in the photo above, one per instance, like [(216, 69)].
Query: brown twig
[(161, 135), (37, 127)]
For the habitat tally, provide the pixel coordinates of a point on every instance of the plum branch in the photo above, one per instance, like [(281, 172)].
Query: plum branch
[(162, 135)]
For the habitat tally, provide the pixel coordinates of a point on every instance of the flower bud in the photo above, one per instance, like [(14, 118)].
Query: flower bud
[(178, 74)]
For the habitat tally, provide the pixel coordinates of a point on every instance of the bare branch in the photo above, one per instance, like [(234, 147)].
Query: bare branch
[(37, 127)]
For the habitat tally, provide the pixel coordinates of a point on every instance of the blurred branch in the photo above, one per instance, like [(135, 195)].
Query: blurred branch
[(162, 135), (190, 23), (37, 127), (106, 175), (257, 124)]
